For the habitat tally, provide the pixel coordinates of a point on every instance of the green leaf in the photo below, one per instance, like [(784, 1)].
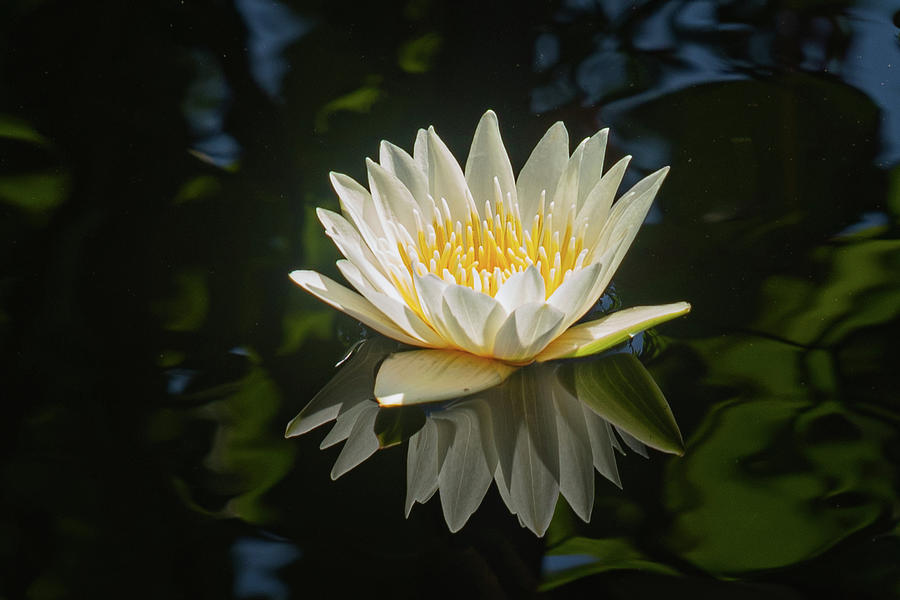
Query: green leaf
[(622, 391), (393, 426)]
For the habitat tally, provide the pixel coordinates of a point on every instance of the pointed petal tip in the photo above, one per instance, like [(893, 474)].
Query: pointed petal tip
[(300, 276)]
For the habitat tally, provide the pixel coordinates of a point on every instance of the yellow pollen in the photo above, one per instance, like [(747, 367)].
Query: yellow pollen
[(484, 251)]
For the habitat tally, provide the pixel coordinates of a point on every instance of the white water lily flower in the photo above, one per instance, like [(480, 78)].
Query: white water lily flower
[(492, 269)]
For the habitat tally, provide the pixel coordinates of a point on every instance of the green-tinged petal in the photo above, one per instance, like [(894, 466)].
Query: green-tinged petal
[(604, 333), (619, 389), (351, 303), (487, 160), (420, 376), (542, 170)]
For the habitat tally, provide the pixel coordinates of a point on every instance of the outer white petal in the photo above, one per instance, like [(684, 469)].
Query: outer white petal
[(358, 207), (350, 302), (487, 160), (632, 208), (542, 170), (351, 245), (521, 288), (592, 164), (392, 197), (473, 318), (526, 331), (397, 311), (605, 332), (405, 168), (420, 376), (446, 180), (595, 209)]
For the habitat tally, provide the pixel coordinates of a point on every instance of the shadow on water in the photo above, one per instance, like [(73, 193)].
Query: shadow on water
[(159, 165)]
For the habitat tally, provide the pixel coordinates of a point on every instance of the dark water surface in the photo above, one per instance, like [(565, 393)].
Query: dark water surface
[(159, 167)]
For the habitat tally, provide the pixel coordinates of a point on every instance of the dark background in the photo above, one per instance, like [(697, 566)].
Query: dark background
[(159, 167)]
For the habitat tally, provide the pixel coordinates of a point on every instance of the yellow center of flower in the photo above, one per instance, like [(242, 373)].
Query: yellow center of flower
[(485, 251)]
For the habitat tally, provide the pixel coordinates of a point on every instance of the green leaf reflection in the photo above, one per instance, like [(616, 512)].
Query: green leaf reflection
[(622, 391), (395, 425)]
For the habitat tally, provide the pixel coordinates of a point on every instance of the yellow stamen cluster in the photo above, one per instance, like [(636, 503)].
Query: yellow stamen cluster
[(486, 250)]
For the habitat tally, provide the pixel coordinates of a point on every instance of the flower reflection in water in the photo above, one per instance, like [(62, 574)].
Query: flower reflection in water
[(541, 433)]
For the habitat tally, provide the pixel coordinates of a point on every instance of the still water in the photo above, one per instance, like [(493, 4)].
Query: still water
[(160, 164)]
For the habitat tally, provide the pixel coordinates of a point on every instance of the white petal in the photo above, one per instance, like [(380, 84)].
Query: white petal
[(473, 318), (392, 197), (606, 332), (566, 194), (446, 180), (398, 312), (351, 245), (592, 164), (420, 376), (521, 288), (430, 290), (404, 167), (595, 209), (420, 151), (358, 207), (526, 331), (632, 207), (487, 160), (350, 302), (569, 296), (542, 170)]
